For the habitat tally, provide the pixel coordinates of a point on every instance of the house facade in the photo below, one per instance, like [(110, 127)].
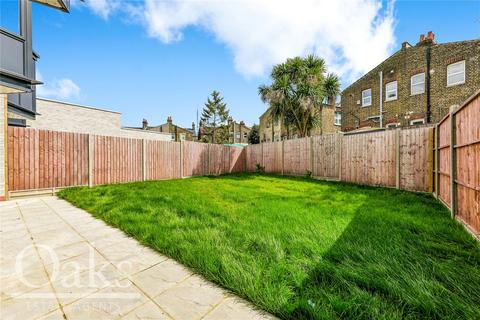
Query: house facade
[(238, 131), (416, 85), (17, 69), (274, 130), (176, 133)]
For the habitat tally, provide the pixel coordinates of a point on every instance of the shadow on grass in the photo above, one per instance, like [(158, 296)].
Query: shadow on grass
[(416, 266), (385, 254)]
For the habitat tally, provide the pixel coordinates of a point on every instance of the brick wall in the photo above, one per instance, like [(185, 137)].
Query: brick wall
[(400, 67), (3, 146), (60, 116)]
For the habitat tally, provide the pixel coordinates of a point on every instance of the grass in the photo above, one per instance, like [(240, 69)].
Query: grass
[(304, 249)]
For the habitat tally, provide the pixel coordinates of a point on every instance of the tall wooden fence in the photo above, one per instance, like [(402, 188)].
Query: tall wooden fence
[(399, 158), (457, 159), (40, 159)]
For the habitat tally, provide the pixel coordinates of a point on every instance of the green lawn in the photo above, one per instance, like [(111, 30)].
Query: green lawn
[(304, 249)]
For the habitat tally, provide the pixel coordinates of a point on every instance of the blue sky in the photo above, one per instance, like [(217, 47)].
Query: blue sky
[(154, 59)]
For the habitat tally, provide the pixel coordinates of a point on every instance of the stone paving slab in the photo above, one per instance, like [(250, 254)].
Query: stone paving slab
[(58, 262)]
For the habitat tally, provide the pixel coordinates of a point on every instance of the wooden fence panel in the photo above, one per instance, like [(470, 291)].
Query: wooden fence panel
[(162, 160), (326, 156), (195, 159), (443, 192), (467, 148), (237, 159), (272, 157), (254, 156), (416, 159), (39, 159), (369, 158), (116, 160), (217, 159), (296, 156)]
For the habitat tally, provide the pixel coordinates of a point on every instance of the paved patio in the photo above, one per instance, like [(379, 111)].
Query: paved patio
[(58, 262)]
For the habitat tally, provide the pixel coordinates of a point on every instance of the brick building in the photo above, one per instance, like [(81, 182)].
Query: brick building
[(419, 84), (270, 130), (177, 133), (238, 131)]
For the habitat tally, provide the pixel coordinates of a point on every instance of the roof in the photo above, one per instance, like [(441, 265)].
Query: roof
[(406, 48), (78, 105)]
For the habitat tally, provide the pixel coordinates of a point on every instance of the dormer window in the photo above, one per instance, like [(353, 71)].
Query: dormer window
[(367, 98)]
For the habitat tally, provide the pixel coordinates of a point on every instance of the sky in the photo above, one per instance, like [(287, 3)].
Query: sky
[(152, 59)]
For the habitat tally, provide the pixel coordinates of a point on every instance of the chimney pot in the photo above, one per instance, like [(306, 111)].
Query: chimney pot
[(422, 37), (430, 35), (169, 119), (144, 124)]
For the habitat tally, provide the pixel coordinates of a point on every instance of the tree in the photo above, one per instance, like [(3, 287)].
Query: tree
[(254, 135), (214, 118), (298, 88)]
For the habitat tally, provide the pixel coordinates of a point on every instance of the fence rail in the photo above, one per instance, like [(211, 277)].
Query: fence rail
[(444, 159), (41, 159), (457, 161), (394, 158)]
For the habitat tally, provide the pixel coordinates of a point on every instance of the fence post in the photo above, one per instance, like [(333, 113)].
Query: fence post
[(312, 155), (181, 159), (90, 159), (263, 158), (144, 160), (283, 156), (208, 159), (340, 141), (397, 158), (436, 160), (453, 165)]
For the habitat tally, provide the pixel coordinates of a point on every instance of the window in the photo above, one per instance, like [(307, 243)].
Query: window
[(172, 136), (182, 136), (337, 118), (391, 91), (392, 125), (417, 84), (10, 16), (367, 98), (417, 121), (237, 136), (456, 73)]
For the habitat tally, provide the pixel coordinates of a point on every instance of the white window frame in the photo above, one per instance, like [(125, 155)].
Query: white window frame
[(417, 121), (339, 122), (369, 103), (416, 84), (387, 90), (392, 125), (456, 73)]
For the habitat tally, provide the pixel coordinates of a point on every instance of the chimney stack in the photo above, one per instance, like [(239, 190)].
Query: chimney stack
[(431, 36), (193, 126), (429, 39), (169, 119), (144, 124)]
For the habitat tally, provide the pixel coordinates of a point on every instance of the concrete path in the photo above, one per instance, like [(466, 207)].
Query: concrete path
[(58, 262)]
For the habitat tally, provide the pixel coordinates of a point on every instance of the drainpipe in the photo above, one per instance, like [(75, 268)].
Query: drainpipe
[(380, 75), (429, 112)]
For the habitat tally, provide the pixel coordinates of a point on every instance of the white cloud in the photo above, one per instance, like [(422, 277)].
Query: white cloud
[(58, 88), (103, 8), (352, 35)]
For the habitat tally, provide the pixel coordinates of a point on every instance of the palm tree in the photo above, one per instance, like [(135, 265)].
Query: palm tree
[(332, 88), (297, 91)]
